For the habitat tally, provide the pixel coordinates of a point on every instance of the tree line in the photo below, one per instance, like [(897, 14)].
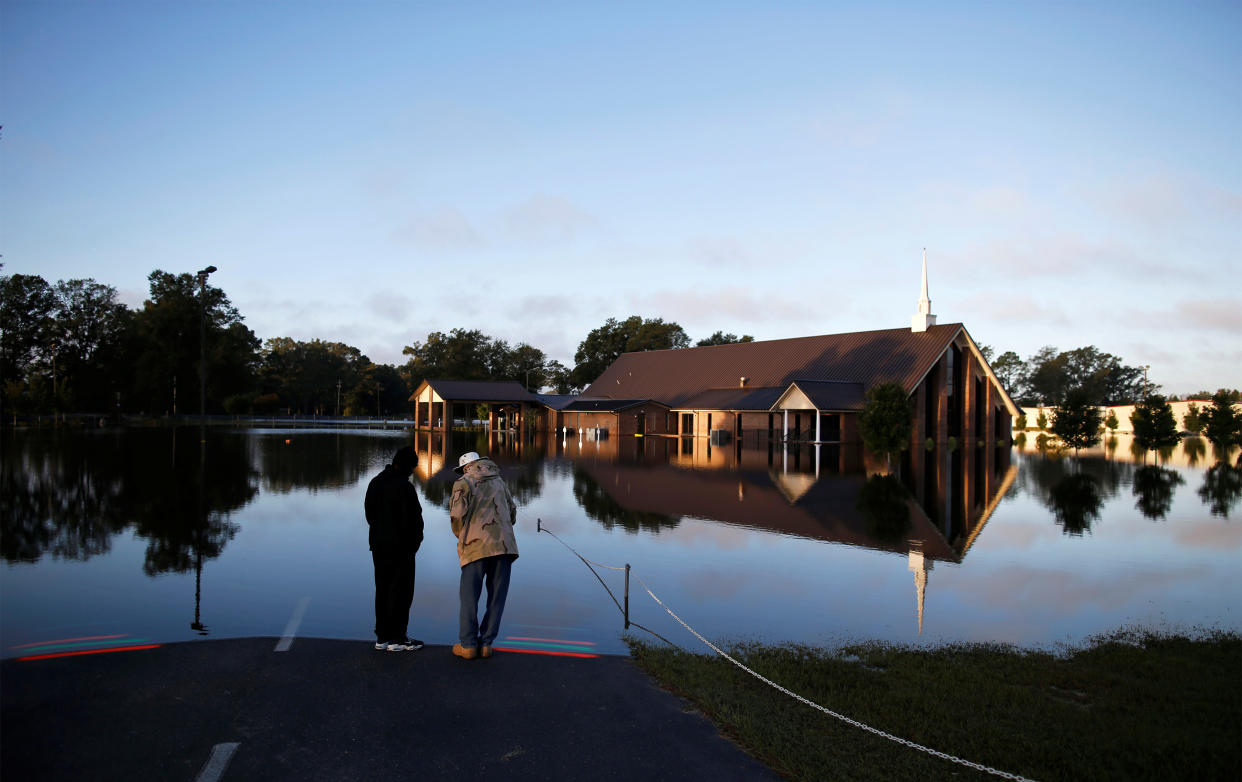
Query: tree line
[(71, 346)]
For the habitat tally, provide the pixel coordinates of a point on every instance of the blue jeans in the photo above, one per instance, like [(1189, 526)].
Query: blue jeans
[(495, 571)]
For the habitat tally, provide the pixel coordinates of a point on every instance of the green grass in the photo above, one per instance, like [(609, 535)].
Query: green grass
[(1133, 705)]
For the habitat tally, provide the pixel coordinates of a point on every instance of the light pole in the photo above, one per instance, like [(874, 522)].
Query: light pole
[(338, 397), (202, 340), (1145, 368)]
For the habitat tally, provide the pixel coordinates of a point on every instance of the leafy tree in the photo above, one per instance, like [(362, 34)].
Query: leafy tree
[(1153, 424), (27, 304), (1076, 421), (558, 377), (379, 391), (1041, 421), (605, 344), (1222, 424), (465, 354), (167, 346), (885, 423), (1192, 422), (1050, 374), (1020, 423), (720, 338), (1010, 371), (1111, 421), (304, 375), (1231, 394), (89, 337)]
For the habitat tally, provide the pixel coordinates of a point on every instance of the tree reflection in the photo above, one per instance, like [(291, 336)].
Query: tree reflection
[(882, 501), (1075, 501), (1194, 450), (68, 494), (599, 505), (59, 495), (1154, 488), (293, 460), (1222, 486), (164, 490)]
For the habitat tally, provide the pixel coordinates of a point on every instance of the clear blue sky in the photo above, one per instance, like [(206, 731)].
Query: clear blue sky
[(370, 172)]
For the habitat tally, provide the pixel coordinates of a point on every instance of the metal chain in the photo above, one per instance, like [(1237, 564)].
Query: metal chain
[(830, 712)]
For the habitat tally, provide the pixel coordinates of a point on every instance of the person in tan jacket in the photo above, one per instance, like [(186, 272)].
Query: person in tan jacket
[(482, 514)]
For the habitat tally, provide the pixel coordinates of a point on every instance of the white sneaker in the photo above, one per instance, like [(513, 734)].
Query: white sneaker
[(405, 645)]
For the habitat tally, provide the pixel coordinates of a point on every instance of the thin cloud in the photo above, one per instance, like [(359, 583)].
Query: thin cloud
[(547, 219), (446, 228), (1214, 314)]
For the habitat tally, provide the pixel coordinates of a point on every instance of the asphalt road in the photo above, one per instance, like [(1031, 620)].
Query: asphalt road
[(339, 710)]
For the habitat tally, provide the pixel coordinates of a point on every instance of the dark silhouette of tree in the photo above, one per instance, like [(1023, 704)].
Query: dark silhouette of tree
[(720, 338), (463, 354), (27, 304), (167, 350), (1153, 424), (1076, 421), (1010, 371), (605, 344), (1222, 424), (885, 423)]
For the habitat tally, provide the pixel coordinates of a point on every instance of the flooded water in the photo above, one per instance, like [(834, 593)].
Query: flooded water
[(158, 535)]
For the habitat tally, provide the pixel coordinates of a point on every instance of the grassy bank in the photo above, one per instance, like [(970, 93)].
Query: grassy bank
[(1130, 706)]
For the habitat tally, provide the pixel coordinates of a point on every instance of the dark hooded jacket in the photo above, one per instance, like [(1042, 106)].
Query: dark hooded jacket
[(394, 513)]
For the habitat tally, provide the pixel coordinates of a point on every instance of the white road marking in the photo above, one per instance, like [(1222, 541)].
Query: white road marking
[(291, 629), (214, 768)]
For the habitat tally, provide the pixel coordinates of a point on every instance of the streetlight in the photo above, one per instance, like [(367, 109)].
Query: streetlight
[(202, 340)]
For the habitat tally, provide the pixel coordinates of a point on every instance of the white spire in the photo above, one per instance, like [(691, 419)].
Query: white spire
[(923, 318)]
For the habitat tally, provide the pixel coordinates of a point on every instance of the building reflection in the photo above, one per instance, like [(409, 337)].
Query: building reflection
[(931, 511)]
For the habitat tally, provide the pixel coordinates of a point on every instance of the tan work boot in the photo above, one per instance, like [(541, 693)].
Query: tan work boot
[(464, 653), (485, 652)]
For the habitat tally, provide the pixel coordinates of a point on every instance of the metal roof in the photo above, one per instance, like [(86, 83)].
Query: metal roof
[(754, 399), (555, 401), (675, 377), (833, 395), (581, 405), (478, 391)]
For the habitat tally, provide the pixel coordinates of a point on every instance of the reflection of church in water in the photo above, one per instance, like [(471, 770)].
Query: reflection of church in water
[(933, 513)]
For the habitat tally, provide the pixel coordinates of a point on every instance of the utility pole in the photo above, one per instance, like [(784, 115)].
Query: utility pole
[(338, 397), (202, 340)]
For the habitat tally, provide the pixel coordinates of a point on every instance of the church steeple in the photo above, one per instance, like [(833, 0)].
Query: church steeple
[(923, 318)]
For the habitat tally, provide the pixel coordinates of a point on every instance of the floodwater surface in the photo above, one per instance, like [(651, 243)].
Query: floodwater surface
[(117, 537)]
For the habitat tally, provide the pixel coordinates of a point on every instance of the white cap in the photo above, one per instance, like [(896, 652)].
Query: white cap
[(466, 458)]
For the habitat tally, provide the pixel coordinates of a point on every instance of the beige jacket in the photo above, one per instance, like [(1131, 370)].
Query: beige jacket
[(482, 513)]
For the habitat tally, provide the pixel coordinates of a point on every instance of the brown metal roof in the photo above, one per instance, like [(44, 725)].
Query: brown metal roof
[(867, 357), (581, 405)]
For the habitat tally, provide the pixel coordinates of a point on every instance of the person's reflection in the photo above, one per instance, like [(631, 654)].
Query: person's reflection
[(1153, 486), (882, 503), (1075, 501)]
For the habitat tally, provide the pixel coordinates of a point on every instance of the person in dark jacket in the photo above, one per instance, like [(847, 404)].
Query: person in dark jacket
[(395, 517)]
